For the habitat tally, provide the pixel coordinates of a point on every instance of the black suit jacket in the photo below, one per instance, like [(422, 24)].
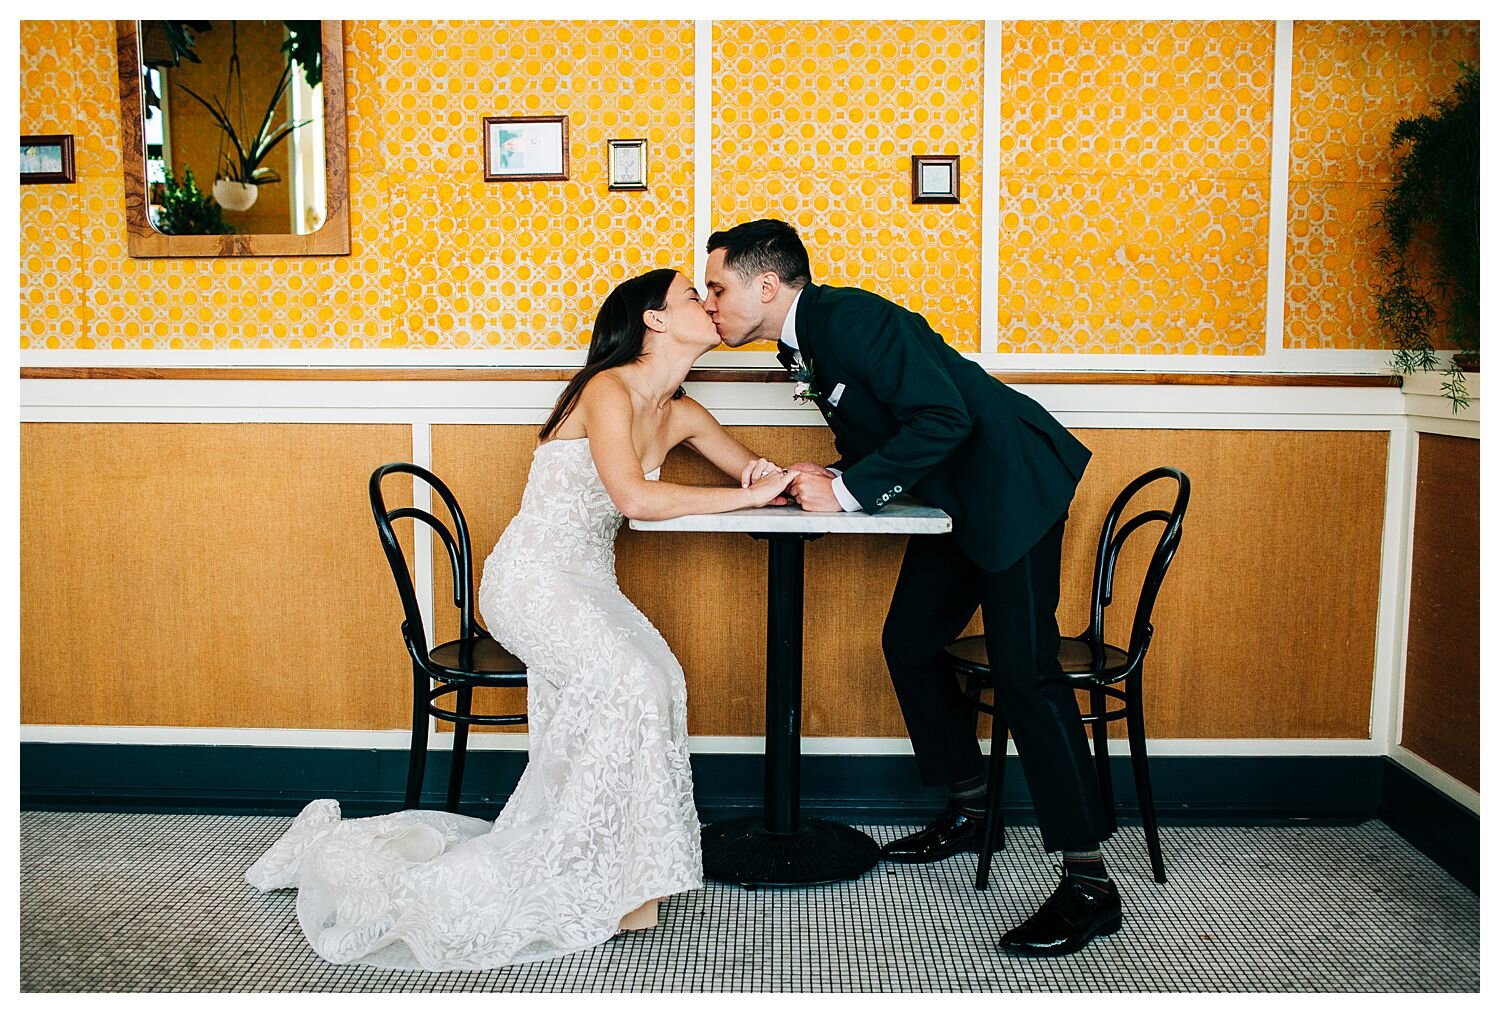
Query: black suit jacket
[(911, 414)]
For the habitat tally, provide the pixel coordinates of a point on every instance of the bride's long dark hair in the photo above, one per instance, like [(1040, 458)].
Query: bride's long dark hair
[(619, 336)]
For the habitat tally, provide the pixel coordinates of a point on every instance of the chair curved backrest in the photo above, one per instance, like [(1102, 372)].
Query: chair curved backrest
[(455, 541), (1112, 538)]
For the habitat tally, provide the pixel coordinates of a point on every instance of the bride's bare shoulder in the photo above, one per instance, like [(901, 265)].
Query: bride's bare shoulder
[(606, 401), (606, 387)]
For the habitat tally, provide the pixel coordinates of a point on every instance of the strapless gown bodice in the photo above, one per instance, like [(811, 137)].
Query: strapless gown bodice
[(567, 520)]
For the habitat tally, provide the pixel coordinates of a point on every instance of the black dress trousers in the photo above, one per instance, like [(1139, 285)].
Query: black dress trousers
[(936, 595)]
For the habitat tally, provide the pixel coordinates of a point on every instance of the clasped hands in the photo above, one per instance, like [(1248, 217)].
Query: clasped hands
[(811, 485)]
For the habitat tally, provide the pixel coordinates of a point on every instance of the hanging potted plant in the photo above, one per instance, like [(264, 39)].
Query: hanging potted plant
[(241, 173), (1429, 220)]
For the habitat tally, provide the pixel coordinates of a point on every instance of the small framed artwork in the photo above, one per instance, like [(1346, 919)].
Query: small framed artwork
[(525, 148), (934, 179), (627, 164), (47, 158)]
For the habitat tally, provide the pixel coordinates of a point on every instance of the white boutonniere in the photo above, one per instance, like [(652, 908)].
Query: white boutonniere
[(801, 375)]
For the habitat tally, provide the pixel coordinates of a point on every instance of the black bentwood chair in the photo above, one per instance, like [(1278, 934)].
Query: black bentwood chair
[(474, 659), (1090, 662)]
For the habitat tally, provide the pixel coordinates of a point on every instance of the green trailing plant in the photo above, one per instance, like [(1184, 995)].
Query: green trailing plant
[(188, 211), (241, 161), (1430, 215)]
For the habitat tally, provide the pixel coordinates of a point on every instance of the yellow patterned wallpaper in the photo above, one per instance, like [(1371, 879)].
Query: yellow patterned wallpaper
[(1134, 167), (816, 122), (1351, 82), (439, 258), (1135, 186)]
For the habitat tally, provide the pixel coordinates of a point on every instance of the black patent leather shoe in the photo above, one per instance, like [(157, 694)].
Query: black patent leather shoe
[(1077, 911), (949, 834)]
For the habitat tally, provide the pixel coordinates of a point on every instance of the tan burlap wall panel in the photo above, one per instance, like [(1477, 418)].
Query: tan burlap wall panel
[(228, 575), (208, 575), (1265, 628), (1266, 624), (1440, 714)]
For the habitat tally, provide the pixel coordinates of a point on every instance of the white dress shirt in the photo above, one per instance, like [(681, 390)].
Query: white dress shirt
[(789, 337)]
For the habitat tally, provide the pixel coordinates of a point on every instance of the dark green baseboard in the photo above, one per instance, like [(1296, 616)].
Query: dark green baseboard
[(1437, 826), (271, 780), (264, 780)]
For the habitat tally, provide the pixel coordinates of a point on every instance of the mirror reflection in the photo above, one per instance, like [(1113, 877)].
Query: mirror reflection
[(232, 116)]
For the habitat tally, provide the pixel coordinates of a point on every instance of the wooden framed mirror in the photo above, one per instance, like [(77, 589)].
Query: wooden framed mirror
[(211, 97)]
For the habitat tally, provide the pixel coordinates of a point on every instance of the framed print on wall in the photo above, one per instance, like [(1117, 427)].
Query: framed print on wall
[(47, 158), (525, 148), (627, 164), (934, 179)]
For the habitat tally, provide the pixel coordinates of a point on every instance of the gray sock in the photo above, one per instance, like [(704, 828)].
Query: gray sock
[(1087, 865)]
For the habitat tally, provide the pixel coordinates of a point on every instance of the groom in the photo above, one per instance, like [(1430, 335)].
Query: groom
[(910, 414)]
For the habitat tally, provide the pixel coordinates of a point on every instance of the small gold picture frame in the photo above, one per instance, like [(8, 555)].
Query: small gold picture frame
[(627, 164)]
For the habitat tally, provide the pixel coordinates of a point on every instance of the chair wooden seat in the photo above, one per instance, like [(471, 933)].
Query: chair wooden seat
[(480, 660), (1077, 659), (967, 656)]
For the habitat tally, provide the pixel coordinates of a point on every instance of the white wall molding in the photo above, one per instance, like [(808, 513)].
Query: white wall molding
[(703, 139), (515, 402), (1394, 602), (1281, 159), (1446, 427), (1432, 411), (989, 207)]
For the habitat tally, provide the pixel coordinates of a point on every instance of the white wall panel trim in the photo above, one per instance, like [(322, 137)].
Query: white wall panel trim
[(527, 402), (1281, 156), (989, 207), (703, 140), (1395, 594)]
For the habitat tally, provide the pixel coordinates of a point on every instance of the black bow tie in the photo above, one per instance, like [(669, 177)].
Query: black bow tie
[(785, 353)]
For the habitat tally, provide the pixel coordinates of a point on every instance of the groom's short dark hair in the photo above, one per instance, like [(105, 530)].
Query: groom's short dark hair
[(769, 244)]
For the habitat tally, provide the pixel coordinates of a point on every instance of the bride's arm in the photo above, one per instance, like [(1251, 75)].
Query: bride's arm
[(692, 424), (606, 415)]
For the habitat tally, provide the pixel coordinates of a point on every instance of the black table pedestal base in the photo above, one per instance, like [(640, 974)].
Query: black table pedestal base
[(743, 851)]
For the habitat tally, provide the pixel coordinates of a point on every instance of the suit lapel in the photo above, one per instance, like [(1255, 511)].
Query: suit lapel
[(808, 341)]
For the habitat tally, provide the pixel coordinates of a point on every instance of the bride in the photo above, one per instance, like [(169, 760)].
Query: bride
[(601, 825)]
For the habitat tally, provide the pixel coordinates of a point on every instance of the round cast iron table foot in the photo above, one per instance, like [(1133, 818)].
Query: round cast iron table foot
[(743, 851)]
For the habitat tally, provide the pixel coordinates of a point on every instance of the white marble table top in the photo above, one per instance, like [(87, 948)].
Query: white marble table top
[(902, 516)]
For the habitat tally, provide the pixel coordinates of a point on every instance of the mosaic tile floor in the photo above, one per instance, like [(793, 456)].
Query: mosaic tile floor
[(120, 902)]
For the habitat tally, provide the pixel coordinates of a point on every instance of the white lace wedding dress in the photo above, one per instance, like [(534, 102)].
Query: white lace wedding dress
[(602, 819)]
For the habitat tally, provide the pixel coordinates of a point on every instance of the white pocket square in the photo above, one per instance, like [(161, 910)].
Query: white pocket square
[(838, 392)]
